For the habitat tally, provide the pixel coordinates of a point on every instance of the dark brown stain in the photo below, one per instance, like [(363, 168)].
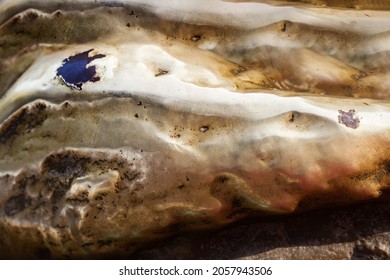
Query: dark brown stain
[(24, 120), (60, 170), (204, 128), (284, 26), (196, 38), (161, 72), (291, 117), (17, 204)]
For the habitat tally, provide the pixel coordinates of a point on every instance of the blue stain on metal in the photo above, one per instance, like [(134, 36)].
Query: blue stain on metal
[(349, 119), (74, 71)]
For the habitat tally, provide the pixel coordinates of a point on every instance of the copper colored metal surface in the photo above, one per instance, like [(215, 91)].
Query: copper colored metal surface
[(124, 123)]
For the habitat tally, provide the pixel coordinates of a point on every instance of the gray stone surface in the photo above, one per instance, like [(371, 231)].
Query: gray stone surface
[(360, 231)]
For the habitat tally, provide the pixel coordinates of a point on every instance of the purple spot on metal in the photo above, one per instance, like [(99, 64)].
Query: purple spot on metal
[(349, 119)]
